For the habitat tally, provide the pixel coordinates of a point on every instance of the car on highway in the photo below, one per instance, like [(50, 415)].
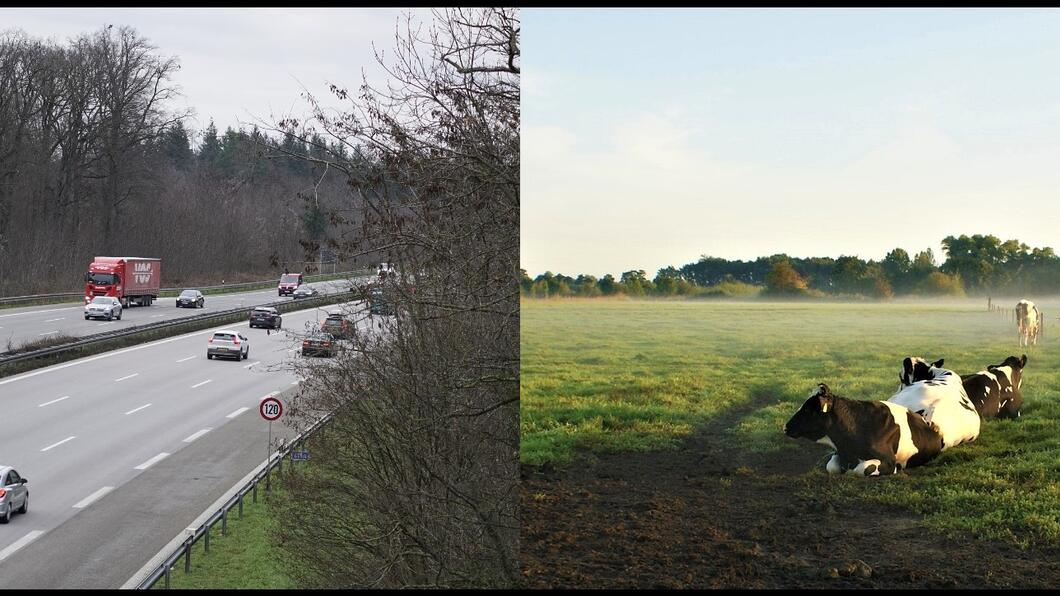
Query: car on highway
[(265, 316), (305, 292), (14, 496), (228, 343), (338, 325), (378, 302), (103, 307), (289, 282), (319, 343), (191, 299)]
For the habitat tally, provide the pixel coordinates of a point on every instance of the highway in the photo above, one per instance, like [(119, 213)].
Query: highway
[(83, 431), (19, 325)]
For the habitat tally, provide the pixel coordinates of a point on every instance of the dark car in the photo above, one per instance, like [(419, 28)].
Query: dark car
[(265, 316), (378, 303), (338, 325), (191, 299), (320, 343), (305, 292)]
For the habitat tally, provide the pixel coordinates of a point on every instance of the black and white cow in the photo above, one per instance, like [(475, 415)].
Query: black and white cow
[(939, 395), (996, 390), (870, 438), (1028, 322)]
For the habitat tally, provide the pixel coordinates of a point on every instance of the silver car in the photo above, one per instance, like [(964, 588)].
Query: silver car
[(103, 307), (14, 496), (227, 343)]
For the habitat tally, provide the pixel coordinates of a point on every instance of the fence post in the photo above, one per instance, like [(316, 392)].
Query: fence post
[(168, 569), (206, 537), (187, 555), (224, 523), (255, 498), (240, 505)]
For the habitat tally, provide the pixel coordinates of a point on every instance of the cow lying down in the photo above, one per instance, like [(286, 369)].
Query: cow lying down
[(870, 438), (938, 394), (995, 392)]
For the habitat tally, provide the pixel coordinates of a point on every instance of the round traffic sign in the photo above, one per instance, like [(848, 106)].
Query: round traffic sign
[(270, 408)]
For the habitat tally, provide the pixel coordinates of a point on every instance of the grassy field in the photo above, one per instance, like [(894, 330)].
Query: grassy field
[(622, 375), (245, 558)]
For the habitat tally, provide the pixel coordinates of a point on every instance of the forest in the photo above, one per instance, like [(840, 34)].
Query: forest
[(96, 160), (977, 265)]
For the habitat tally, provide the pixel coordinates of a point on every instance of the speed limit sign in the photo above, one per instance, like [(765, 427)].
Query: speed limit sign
[(270, 408)]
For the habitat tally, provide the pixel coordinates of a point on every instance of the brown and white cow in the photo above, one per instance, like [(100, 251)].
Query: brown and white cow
[(870, 438), (1028, 322)]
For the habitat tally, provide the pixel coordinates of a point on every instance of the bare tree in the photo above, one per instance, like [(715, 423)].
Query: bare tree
[(416, 482)]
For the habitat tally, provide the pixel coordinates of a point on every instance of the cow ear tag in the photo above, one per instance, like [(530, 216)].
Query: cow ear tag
[(824, 406)]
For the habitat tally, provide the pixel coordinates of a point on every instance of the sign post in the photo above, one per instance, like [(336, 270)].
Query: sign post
[(270, 409)]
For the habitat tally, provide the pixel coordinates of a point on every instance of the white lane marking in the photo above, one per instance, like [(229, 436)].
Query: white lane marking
[(49, 333), (7, 552), (185, 359), (237, 412), (126, 377), (137, 409), (154, 460), (197, 435), (201, 384), (85, 502), (251, 364), (265, 397), (156, 316), (36, 312), (59, 443), (134, 348), (52, 320), (48, 403)]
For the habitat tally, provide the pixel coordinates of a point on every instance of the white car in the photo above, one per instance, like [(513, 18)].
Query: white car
[(103, 307)]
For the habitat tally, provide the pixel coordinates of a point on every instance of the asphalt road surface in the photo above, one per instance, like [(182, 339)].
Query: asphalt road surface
[(124, 449), (20, 325)]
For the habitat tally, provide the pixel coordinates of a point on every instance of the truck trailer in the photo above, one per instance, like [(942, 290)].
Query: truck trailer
[(132, 280)]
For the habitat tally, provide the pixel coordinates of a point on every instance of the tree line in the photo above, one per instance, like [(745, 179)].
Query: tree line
[(95, 160), (977, 264)]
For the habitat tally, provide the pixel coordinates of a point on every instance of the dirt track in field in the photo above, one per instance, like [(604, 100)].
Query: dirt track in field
[(709, 516)]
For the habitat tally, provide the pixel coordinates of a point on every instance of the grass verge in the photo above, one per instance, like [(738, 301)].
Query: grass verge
[(244, 558)]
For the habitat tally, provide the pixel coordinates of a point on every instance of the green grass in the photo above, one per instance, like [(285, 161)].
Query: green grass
[(245, 558), (626, 375)]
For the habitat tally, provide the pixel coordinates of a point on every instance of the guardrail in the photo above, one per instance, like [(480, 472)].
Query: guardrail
[(119, 333), (247, 284), (164, 570)]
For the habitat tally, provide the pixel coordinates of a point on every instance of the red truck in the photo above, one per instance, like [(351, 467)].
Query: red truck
[(133, 280)]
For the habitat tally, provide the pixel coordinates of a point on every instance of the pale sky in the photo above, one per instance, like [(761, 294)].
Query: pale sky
[(652, 136), (241, 65)]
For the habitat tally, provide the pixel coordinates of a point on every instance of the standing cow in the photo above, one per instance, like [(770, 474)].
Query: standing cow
[(1028, 322), (938, 394), (870, 438)]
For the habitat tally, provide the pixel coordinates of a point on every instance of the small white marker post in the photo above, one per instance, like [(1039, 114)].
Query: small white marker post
[(270, 409)]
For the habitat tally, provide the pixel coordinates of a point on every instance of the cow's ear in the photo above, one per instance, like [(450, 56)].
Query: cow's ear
[(907, 366), (938, 363), (1023, 361)]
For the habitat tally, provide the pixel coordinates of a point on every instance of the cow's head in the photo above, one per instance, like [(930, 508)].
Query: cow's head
[(814, 417), (917, 369)]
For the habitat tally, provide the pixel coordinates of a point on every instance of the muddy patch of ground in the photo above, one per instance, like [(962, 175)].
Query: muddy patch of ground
[(710, 516)]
